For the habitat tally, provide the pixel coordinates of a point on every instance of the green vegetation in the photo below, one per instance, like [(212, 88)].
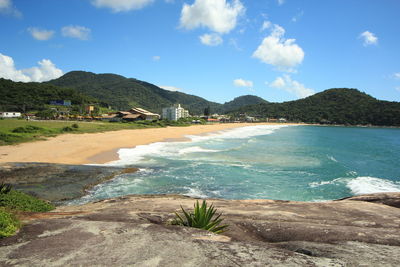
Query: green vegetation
[(334, 106), (14, 131), (18, 201), (202, 217), (5, 188), (26, 97), (12, 202), (8, 223), (123, 93)]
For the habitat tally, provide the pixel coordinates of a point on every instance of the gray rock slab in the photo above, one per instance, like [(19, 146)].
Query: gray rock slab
[(134, 231)]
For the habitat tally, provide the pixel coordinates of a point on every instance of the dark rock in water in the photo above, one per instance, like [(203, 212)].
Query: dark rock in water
[(56, 182), (133, 230)]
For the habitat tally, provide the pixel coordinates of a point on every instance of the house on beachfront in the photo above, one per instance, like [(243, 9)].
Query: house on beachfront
[(174, 113), (10, 114), (134, 114)]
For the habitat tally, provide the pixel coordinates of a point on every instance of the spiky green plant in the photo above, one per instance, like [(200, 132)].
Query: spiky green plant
[(5, 188), (202, 217)]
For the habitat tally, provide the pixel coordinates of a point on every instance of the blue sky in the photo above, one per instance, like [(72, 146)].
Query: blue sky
[(218, 49)]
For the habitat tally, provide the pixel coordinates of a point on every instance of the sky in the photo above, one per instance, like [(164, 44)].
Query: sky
[(280, 50)]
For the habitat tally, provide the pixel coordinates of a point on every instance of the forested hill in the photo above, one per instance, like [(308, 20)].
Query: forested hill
[(24, 97), (333, 106), (123, 93), (242, 101)]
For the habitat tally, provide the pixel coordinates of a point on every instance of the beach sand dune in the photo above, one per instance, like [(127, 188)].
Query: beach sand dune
[(97, 148)]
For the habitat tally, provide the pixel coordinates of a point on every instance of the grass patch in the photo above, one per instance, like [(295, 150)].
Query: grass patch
[(14, 131), (9, 223), (18, 201), (12, 202)]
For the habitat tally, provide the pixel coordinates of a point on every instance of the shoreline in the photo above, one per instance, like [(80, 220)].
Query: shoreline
[(100, 148)]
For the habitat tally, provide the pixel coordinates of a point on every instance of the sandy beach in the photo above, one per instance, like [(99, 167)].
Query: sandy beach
[(101, 147)]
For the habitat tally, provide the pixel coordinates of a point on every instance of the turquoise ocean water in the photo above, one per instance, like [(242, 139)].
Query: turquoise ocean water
[(304, 163)]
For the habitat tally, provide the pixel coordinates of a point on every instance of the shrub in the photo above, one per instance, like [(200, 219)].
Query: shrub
[(67, 129), (75, 126), (7, 138), (16, 200), (27, 129), (201, 217), (5, 188), (8, 223)]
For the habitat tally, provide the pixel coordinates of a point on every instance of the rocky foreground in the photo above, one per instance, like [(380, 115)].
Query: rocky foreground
[(134, 230)]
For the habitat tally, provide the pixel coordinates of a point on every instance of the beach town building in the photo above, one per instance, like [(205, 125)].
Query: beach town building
[(10, 114), (89, 109), (174, 113), (134, 114), (66, 103)]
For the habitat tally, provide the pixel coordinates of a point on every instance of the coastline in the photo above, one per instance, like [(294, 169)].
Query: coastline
[(100, 148)]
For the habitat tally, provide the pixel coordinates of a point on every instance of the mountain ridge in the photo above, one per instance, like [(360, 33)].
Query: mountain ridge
[(332, 106)]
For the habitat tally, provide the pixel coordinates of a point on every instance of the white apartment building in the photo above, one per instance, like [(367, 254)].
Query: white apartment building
[(10, 114), (174, 113)]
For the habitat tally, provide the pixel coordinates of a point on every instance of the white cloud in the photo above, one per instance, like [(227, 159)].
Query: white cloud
[(278, 83), (398, 88), (298, 16), (218, 15), (122, 5), (281, 2), (44, 72), (396, 75), (212, 39), (156, 58), (294, 87), (266, 25), (78, 32), (243, 83), (5, 4), (40, 34), (7, 7), (369, 38), (278, 51), (170, 88)]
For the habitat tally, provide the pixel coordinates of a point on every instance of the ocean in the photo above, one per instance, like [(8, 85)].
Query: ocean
[(301, 163)]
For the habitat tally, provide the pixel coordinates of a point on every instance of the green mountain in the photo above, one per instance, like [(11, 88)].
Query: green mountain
[(333, 106), (242, 101), (123, 93), (23, 97)]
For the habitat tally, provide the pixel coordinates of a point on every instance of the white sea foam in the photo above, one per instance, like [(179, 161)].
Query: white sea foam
[(368, 185), (129, 156), (334, 181), (196, 149), (239, 133), (332, 158), (362, 185), (194, 192)]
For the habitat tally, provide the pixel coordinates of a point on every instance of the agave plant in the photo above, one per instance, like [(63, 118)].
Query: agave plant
[(202, 217), (5, 188)]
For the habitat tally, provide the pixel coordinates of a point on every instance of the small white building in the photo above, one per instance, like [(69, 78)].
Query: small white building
[(174, 113), (10, 114)]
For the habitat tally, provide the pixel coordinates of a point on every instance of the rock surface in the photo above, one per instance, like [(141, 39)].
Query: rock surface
[(56, 182), (133, 230)]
